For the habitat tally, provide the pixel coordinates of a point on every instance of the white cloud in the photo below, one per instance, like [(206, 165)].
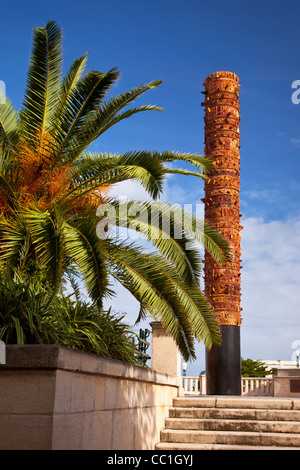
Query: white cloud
[(267, 195), (124, 303), (296, 141), (270, 291), (130, 189), (270, 279), (270, 288)]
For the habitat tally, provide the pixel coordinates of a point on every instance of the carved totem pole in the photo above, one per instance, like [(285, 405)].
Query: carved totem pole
[(222, 283)]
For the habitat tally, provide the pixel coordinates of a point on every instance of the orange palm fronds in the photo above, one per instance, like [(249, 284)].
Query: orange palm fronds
[(38, 183)]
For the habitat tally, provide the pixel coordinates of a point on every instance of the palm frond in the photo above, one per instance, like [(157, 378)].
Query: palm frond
[(165, 223), (201, 163), (68, 84), (5, 184), (83, 101), (142, 278), (47, 236), (9, 125), (86, 251), (93, 170), (163, 230), (14, 241), (196, 160), (183, 311), (110, 113), (202, 232), (43, 80), (72, 278)]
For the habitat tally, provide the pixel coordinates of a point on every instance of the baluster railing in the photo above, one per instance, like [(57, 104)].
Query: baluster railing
[(251, 386), (257, 386), (194, 385)]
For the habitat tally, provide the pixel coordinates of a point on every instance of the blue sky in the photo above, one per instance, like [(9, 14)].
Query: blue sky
[(181, 43)]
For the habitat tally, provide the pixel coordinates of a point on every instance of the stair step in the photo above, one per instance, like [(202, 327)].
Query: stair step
[(230, 437), (235, 413), (238, 402), (232, 423), (191, 447), (240, 425)]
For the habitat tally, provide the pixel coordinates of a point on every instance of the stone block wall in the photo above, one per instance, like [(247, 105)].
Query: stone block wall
[(54, 398)]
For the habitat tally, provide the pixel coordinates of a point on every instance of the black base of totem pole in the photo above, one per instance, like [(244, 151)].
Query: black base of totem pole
[(223, 364)]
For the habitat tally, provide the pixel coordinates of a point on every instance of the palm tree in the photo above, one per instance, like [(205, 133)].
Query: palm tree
[(51, 187)]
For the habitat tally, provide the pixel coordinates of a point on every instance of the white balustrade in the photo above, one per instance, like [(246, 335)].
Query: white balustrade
[(251, 386), (257, 386), (194, 385)]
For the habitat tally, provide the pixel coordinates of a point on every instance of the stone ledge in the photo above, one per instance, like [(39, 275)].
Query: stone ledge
[(239, 402), (288, 372), (57, 357)]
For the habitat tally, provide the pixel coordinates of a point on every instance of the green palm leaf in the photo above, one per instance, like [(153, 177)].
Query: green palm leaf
[(15, 242), (68, 84), (162, 229), (9, 125), (109, 114), (85, 250), (82, 103), (182, 310), (43, 81), (46, 232), (93, 170), (180, 226)]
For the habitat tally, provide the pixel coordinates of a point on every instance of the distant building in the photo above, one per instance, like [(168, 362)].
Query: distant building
[(280, 364)]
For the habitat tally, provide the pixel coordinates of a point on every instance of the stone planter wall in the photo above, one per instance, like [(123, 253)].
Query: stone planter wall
[(287, 383), (56, 398)]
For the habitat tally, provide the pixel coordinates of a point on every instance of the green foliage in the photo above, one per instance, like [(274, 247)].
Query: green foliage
[(253, 368), (51, 186), (83, 326), (30, 314)]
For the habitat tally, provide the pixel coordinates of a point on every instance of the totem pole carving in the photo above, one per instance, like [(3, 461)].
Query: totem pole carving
[(222, 208)]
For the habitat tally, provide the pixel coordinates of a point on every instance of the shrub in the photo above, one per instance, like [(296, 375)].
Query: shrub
[(31, 314)]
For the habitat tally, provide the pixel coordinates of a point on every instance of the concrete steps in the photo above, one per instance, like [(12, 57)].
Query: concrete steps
[(232, 423)]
